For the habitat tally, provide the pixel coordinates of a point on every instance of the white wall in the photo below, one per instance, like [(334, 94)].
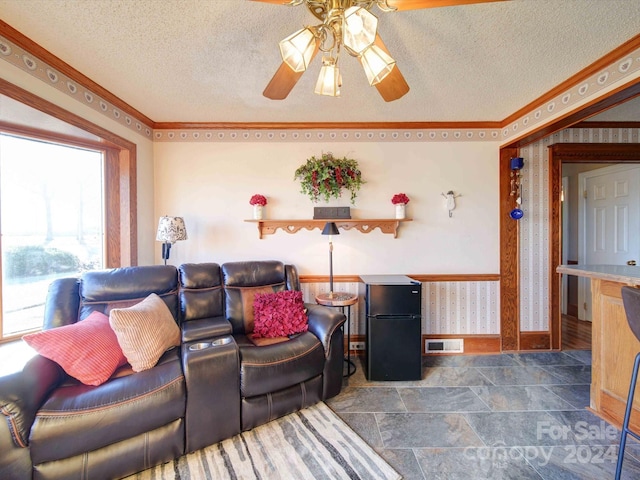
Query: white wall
[(210, 183)]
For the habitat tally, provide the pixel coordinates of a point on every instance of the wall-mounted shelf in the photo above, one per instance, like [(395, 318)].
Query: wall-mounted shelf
[(365, 225)]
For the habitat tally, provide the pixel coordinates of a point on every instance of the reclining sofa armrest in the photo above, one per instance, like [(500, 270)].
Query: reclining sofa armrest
[(21, 396), (326, 324), (212, 373), (205, 328), (62, 304)]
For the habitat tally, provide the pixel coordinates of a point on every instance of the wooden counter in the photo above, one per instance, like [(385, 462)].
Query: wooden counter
[(613, 345)]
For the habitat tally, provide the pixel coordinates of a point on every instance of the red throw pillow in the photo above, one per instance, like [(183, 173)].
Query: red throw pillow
[(279, 314), (87, 350)]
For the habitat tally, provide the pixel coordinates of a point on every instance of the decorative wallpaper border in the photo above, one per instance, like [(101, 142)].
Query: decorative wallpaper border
[(626, 67), (448, 135), (623, 68), (36, 67)]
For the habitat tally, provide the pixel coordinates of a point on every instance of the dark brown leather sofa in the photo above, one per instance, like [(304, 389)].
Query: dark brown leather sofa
[(53, 427)]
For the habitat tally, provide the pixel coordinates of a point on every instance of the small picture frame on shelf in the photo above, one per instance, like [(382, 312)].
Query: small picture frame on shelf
[(331, 212)]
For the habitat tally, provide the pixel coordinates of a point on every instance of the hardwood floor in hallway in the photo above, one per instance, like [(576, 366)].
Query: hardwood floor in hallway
[(576, 334)]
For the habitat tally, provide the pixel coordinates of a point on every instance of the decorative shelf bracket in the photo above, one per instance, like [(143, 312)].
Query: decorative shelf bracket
[(389, 226)]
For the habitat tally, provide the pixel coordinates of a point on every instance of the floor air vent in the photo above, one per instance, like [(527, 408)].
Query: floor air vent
[(444, 346)]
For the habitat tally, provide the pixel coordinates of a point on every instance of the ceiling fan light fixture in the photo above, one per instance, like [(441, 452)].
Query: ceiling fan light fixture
[(329, 80), (377, 64), (297, 49), (360, 27)]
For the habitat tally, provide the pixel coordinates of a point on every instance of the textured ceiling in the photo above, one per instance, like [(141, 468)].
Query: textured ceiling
[(209, 60)]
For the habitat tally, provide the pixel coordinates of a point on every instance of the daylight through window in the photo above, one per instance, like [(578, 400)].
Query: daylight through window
[(51, 221)]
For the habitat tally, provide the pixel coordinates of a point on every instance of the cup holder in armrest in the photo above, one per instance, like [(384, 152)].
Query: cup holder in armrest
[(214, 343)]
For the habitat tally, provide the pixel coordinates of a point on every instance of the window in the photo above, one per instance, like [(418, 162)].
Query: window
[(26, 116), (51, 221)]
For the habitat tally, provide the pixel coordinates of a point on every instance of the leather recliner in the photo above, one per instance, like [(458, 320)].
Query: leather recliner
[(53, 427), (276, 379)]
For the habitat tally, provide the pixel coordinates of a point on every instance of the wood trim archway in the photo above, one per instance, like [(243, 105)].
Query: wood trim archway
[(572, 153), (511, 336)]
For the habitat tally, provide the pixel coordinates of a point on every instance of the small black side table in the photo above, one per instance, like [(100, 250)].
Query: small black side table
[(342, 299)]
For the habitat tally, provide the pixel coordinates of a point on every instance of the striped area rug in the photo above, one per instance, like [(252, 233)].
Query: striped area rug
[(311, 444)]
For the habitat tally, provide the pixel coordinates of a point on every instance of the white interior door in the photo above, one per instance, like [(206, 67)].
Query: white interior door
[(611, 219)]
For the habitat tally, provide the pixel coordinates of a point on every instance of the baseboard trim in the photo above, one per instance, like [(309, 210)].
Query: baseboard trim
[(473, 344), (355, 338), (535, 341)]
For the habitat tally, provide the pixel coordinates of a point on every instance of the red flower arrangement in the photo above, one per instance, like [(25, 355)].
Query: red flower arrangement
[(279, 314), (258, 199), (400, 198)]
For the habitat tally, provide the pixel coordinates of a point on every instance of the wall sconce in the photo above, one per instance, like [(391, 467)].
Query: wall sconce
[(450, 201), (516, 165), (170, 231)]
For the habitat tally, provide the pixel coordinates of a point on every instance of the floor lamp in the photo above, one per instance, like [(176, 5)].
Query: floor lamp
[(170, 230), (330, 228)]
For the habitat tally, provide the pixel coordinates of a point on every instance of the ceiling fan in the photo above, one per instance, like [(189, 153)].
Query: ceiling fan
[(346, 25)]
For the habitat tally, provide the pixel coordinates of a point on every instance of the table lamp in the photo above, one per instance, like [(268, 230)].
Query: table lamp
[(330, 228), (170, 230)]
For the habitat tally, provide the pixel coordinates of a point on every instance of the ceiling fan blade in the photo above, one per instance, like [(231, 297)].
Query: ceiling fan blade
[(393, 86), (417, 4), (282, 83), (285, 79)]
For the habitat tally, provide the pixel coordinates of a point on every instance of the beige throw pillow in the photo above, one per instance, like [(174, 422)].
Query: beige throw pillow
[(145, 331)]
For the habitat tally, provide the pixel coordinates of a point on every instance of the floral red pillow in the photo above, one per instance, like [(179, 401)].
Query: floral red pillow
[(279, 314)]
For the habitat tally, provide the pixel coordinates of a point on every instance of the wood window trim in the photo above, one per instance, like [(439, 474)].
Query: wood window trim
[(120, 172)]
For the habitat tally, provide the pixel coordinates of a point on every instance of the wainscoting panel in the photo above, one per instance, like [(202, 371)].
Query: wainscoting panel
[(466, 308), (462, 308), (310, 290)]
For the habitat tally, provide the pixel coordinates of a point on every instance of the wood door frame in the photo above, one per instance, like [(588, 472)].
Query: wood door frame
[(572, 153)]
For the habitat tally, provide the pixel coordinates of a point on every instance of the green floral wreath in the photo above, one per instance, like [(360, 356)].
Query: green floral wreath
[(325, 177)]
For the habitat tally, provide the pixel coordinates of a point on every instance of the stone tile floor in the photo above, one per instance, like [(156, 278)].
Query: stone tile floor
[(510, 416)]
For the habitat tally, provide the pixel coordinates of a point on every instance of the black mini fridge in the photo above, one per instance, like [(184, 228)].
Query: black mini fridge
[(393, 327)]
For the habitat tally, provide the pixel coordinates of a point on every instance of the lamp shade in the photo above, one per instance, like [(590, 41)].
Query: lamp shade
[(377, 64), (330, 228), (297, 49), (329, 80), (360, 29), (171, 230)]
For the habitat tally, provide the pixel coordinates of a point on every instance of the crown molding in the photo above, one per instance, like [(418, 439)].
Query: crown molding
[(610, 58), (325, 125)]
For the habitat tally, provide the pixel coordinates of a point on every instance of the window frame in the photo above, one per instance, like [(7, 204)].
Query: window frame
[(121, 239)]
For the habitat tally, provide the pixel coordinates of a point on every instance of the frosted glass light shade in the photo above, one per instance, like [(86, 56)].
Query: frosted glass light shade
[(377, 64), (360, 29), (297, 49), (329, 80)]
